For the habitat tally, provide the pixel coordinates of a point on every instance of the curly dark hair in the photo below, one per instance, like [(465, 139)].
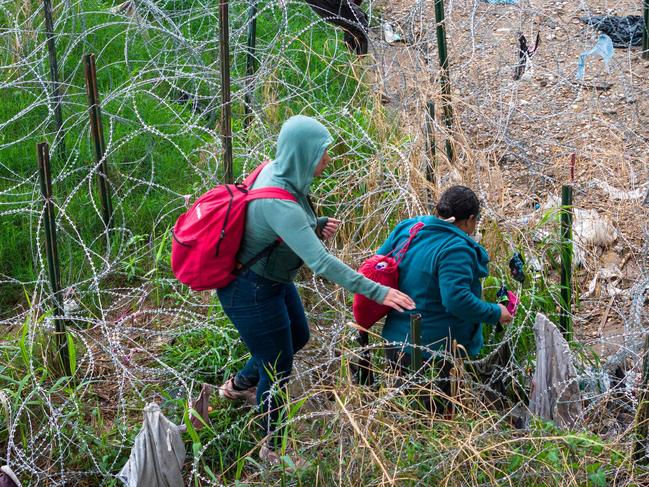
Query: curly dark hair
[(459, 202)]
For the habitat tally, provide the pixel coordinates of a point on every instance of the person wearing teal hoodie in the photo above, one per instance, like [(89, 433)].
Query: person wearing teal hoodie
[(262, 302), (441, 271)]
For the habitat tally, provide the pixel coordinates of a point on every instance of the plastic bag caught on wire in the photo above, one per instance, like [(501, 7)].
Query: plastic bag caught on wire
[(158, 454), (555, 393), (603, 49)]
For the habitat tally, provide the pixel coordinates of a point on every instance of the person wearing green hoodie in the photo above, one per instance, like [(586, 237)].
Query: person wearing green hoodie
[(441, 271), (262, 302)]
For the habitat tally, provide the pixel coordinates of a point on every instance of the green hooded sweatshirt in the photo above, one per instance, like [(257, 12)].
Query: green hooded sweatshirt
[(301, 144)]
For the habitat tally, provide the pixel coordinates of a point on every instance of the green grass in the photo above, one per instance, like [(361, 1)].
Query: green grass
[(158, 149)]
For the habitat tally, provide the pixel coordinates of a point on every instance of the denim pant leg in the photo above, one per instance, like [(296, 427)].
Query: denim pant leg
[(238, 295), (248, 376), (299, 325), (258, 309)]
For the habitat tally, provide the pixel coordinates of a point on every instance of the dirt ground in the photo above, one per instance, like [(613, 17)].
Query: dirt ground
[(515, 139)]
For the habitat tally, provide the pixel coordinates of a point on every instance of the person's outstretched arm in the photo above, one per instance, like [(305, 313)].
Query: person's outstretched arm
[(455, 279), (294, 229)]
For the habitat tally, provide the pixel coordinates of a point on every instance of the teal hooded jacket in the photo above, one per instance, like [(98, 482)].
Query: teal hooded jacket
[(441, 272), (301, 144)]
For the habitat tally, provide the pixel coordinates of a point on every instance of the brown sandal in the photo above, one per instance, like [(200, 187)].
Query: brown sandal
[(228, 391)]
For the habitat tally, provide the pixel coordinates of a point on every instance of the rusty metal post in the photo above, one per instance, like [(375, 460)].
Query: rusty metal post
[(251, 61), (226, 106), (444, 76), (57, 97), (97, 132)]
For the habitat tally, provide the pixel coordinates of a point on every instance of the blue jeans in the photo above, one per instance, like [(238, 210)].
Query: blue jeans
[(270, 318)]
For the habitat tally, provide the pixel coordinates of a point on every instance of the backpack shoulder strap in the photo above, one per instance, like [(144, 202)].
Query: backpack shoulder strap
[(253, 175), (414, 230), (271, 192)]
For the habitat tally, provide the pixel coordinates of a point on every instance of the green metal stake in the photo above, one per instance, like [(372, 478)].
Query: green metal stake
[(57, 97), (415, 339), (645, 33), (565, 318), (444, 77), (250, 61), (226, 114), (642, 416), (430, 148), (97, 132), (51, 251)]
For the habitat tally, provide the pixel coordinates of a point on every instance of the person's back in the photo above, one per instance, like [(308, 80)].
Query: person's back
[(282, 264), (441, 271)]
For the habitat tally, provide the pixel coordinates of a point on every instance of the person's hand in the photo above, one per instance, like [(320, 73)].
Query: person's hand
[(330, 228), (398, 300), (505, 316)]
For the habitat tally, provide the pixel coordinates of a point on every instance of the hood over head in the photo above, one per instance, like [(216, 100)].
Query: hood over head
[(300, 146)]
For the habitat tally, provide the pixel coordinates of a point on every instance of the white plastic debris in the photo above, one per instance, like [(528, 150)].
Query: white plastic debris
[(534, 263), (70, 301), (589, 228), (592, 229), (158, 454), (554, 394), (8, 478), (609, 276), (594, 381), (618, 194), (450, 177), (390, 36), (127, 8)]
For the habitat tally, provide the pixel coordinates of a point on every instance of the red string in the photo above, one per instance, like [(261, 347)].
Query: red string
[(573, 160)]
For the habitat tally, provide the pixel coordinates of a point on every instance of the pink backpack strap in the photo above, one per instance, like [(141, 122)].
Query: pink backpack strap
[(414, 230), (270, 192), (253, 175)]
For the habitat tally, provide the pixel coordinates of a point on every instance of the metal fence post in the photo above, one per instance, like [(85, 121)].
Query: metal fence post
[(251, 62), (52, 254), (226, 107), (97, 131), (444, 76), (565, 318), (57, 97), (415, 340)]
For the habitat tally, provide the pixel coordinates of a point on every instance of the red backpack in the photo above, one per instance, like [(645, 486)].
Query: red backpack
[(383, 269), (206, 239)]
